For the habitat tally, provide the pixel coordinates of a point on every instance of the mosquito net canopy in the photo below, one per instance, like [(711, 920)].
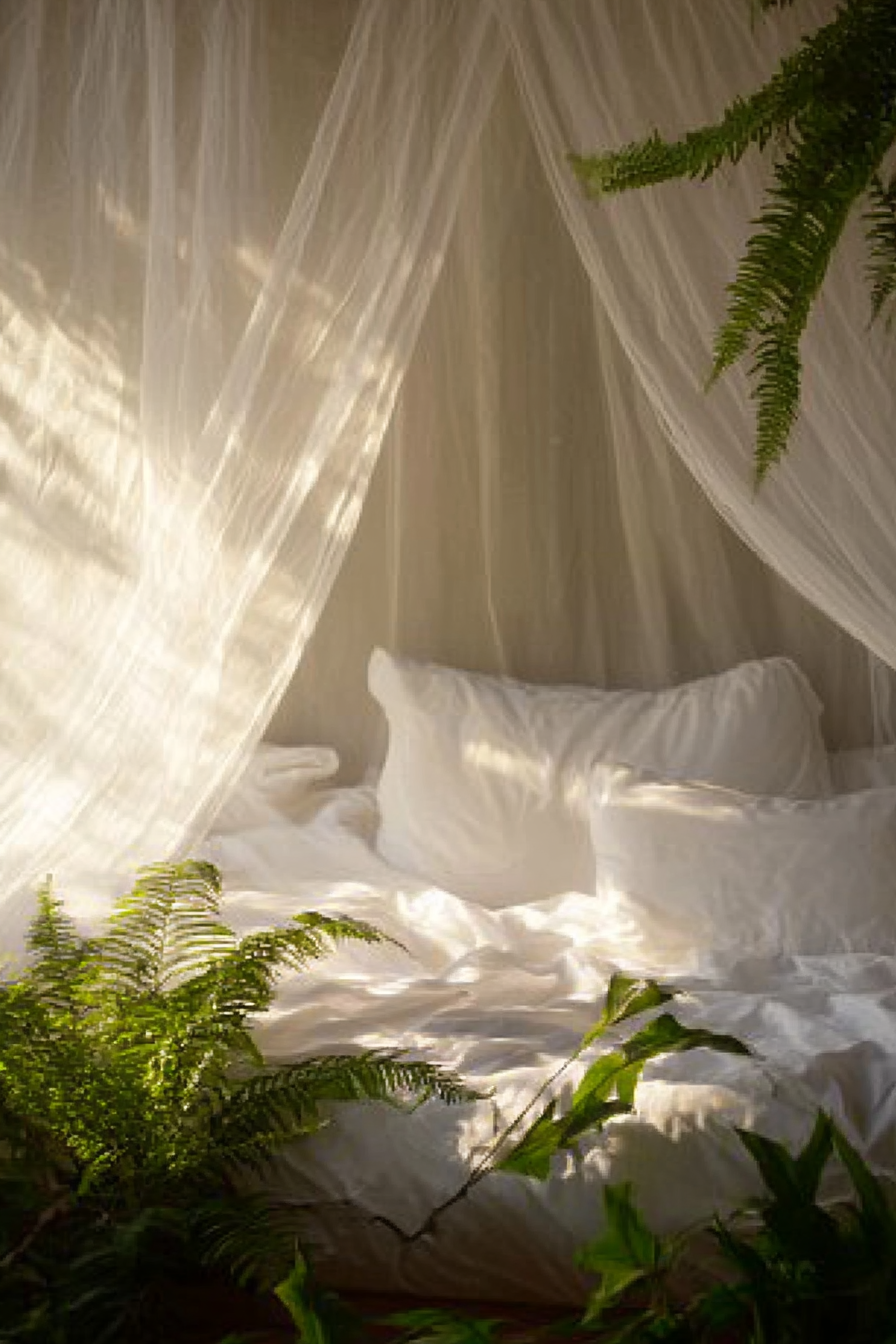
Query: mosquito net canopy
[(262, 265)]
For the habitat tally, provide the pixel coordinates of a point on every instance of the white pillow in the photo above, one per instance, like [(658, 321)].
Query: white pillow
[(685, 869), (862, 768), (485, 787), (275, 783)]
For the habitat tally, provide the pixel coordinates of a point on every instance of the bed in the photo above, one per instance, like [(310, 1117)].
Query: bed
[(766, 899)]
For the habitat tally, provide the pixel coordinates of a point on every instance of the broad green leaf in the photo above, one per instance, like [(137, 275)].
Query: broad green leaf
[(811, 1162), (666, 1035), (532, 1155), (803, 1232), (777, 1168), (590, 1115), (611, 1073), (626, 1252), (599, 1079), (627, 996), (299, 1295), (723, 1307), (627, 1082), (548, 1136), (877, 1216)]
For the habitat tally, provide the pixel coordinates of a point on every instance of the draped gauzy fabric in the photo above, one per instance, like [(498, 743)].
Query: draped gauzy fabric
[(530, 513), (659, 262), (198, 367), (220, 227)]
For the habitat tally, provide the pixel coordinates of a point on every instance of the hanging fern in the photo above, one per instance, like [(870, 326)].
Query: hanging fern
[(132, 1094), (831, 110), (880, 219)]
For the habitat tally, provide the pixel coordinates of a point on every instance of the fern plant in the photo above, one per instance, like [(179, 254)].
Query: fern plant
[(830, 112), (132, 1097)]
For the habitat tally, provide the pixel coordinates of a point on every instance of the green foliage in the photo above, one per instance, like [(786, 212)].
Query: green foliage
[(132, 1096), (430, 1325), (795, 1271), (830, 109), (320, 1317), (607, 1088), (626, 1254), (880, 221), (800, 1273)]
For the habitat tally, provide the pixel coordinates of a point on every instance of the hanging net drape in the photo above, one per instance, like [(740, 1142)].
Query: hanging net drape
[(221, 228), (531, 513), (198, 367), (659, 262)]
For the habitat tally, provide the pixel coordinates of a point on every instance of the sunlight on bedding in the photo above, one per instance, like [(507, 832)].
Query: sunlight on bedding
[(530, 772)]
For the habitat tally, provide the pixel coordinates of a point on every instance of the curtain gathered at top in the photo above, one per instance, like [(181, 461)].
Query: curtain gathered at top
[(241, 246)]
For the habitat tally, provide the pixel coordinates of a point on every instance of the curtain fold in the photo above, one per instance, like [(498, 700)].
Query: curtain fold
[(596, 74), (198, 363)]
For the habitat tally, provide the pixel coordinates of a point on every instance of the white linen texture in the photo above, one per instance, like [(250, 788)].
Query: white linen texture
[(504, 997), (686, 872), (485, 787)]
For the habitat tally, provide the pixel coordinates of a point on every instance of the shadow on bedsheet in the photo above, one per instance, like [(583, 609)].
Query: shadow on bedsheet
[(372, 1179)]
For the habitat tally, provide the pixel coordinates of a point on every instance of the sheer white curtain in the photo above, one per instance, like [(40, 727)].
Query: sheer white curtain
[(528, 514), (204, 321), (220, 227), (598, 73)]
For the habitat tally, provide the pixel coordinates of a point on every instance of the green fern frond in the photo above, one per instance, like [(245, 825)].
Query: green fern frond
[(251, 1237), (164, 928), (786, 262), (242, 982), (59, 953), (251, 1116), (832, 104), (746, 122), (880, 220), (778, 368)]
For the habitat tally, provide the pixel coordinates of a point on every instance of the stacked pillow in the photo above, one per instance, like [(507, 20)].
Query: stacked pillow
[(685, 869), (487, 785)]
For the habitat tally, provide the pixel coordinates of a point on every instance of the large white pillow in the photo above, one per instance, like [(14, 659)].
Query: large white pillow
[(685, 869), (486, 782)]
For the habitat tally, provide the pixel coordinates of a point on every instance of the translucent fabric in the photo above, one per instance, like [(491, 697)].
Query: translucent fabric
[(221, 227), (210, 283), (659, 262), (529, 514)]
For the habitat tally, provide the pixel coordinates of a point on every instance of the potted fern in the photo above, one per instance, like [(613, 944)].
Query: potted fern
[(132, 1098)]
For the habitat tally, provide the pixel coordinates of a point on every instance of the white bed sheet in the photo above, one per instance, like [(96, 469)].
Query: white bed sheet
[(503, 996)]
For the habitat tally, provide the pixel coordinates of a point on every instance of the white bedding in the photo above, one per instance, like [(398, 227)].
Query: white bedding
[(502, 996)]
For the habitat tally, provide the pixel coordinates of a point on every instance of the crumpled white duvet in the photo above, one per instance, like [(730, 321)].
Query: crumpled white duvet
[(503, 996)]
